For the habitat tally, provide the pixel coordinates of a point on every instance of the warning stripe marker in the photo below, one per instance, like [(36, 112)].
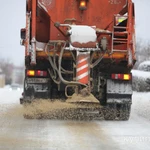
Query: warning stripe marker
[(83, 67)]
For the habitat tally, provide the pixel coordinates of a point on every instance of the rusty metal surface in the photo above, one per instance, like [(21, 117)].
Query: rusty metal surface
[(60, 10), (116, 55), (34, 8), (98, 13), (100, 17), (28, 16), (84, 45)]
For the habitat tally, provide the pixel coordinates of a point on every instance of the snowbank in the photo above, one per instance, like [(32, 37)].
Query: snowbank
[(141, 80), (140, 74), (9, 97), (145, 66), (145, 63)]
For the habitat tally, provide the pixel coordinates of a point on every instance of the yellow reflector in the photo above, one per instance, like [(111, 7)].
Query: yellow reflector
[(126, 77), (120, 20), (31, 73)]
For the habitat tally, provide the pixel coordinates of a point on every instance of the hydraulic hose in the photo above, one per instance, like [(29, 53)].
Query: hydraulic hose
[(98, 60), (53, 76), (59, 71)]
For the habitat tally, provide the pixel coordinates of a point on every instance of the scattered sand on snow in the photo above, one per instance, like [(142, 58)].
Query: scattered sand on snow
[(40, 109)]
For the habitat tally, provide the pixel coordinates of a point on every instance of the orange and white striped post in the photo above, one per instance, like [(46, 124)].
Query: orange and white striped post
[(83, 67)]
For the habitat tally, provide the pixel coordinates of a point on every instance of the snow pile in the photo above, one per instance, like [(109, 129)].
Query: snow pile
[(141, 77), (141, 74), (144, 66), (141, 80), (8, 96), (82, 34)]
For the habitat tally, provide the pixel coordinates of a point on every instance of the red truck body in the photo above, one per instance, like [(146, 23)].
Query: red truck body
[(80, 45)]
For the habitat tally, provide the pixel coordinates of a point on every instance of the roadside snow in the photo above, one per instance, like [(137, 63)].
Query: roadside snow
[(79, 34), (141, 81), (144, 66), (9, 97), (145, 63), (141, 104), (142, 74)]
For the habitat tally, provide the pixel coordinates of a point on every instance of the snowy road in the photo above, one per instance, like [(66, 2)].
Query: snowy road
[(17, 133)]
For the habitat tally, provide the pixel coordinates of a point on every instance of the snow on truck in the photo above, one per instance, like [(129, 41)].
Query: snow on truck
[(83, 47)]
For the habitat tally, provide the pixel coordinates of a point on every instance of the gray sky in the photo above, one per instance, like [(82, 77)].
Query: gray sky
[(142, 10), (13, 19)]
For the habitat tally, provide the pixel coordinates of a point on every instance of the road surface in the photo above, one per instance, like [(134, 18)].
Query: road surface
[(17, 133)]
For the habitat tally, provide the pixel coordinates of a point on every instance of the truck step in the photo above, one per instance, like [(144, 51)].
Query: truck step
[(120, 34), (119, 42), (120, 27), (119, 39)]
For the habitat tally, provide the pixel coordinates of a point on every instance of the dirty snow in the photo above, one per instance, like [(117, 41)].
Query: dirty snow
[(19, 133)]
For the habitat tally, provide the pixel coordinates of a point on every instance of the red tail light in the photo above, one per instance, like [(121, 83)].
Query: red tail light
[(121, 76), (41, 73), (38, 73)]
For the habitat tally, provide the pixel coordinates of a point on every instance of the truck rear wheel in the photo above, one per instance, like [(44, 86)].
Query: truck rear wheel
[(117, 112), (109, 112), (124, 111)]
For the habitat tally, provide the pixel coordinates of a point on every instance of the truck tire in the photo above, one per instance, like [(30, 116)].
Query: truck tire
[(117, 111), (124, 112), (109, 112)]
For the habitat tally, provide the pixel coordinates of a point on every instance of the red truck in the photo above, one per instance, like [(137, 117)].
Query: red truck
[(83, 47)]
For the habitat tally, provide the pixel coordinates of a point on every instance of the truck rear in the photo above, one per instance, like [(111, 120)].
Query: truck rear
[(82, 47)]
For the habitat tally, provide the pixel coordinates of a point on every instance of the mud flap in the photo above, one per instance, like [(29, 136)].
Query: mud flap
[(119, 99), (119, 91)]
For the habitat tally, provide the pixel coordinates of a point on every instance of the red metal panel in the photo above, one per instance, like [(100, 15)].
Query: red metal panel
[(99, 13), (34, 8)]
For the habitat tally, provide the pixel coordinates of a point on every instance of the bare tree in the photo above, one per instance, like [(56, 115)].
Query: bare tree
[(7, 67), (142, 52)]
